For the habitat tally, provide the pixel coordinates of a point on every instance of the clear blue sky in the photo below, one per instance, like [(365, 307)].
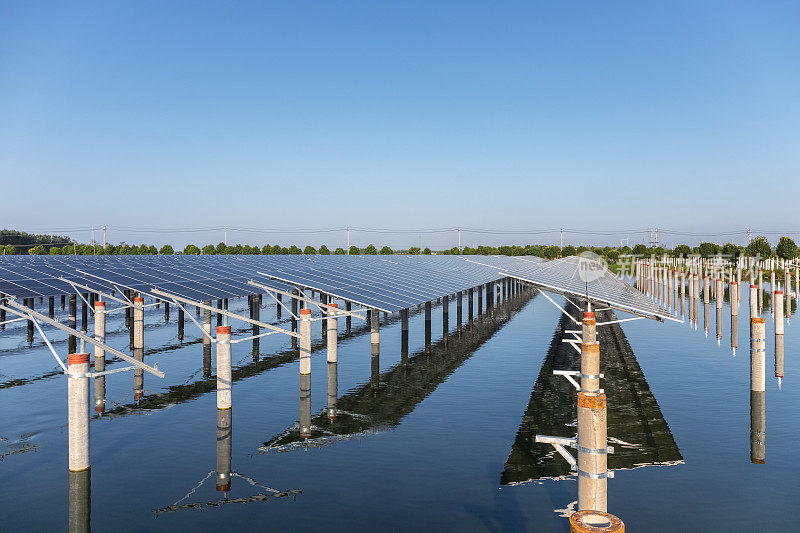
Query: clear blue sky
[(524, 116)]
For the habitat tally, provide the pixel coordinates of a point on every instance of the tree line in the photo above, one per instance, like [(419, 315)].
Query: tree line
[(759, 246)]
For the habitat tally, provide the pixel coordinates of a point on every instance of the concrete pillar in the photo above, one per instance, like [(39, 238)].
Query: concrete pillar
[(719, 293), (760, 291), (480, 301), (294, 314), (734, 333), (323, 299), (706, 287), (589, 327), (100, 356), (753, 300), (428, 326), (63, 301), (207, 361), (590, 366), (78, 411), (778, 305), (374, 336), (404, 336), (734, 296), (592, 442), (138, 375), (207, 323), (349, 320), (224, 448), (333, 333), (51, 310), (29, 302), (305, 341), (71, 321), (305, 395), (757, 390), (779, 358), (683, 293), (333, 390), (180, 323), (166, 311), (279, 307), (719, 326), (219, 315), (224, 383), (138, 322), (470, 295)]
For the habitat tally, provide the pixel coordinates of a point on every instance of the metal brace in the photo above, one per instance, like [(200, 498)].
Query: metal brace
[(570, 373)]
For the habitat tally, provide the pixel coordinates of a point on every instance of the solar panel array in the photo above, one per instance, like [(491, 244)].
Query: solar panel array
[(563, 276), (387, 283)]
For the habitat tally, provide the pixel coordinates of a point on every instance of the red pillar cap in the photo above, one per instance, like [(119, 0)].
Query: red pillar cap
[(138, 300), (98, 303), (223, 330), (333, 305), (77, 358), (305, 311)]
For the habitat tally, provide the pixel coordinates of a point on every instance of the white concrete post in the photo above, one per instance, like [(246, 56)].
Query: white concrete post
[(138, 322), (224, 373), (100, 356), (592, 458), (757, 390), (333, 333), (78, 411), (304, 329)]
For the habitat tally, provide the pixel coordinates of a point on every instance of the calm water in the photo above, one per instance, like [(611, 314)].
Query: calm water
[(440, 442)]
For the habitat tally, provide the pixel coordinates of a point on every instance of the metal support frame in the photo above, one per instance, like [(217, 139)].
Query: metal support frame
[(559, 442), (290, 282), (319, 305), (569, 375), (35, 317), (175, 298)]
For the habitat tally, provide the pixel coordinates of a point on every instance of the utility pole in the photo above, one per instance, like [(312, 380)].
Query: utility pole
[(749, 239), (92, 235), (459, 240), (562, 239), (226, 235), (348, 240), (104, 236), (656, 236)]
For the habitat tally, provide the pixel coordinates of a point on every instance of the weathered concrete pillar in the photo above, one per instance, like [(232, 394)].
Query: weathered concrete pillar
[(207, 323), (305, 395), (719, 326), (734, 333), (760, 291), (590, 366), (589, 327), (138, 322), (480, 301), (404, 336), (279, 307), (207, 361), (333, 334), (219, 315), (255, 314), (138, 375), (719, 293), (427, 327), (734, 296), (375, 372), (779, 358), (323, 299), (29, 302), (470, 295), (224, 372), (224, 448), (753, 300), (72, 321), (78, 411), (80, 501), (333, 390), (305, 341), (706, 288), (592, 442), (166, 311), (683, 293), (51, 308), (100, 356), (294, 315), (180, 323), (778, 308), (757, 390), (349, 320), (374, 335)]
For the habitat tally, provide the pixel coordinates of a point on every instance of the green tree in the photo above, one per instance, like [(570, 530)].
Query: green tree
[(209, 249), (455, 251), (786, 249), (55, 250), (310, 250), (387, 251), (640, 250), (36, 250), (759, 246), (370, 250), (414, 250), (323, 250), (354, 250), (730, 250), (266, 249), (551, 252), (277, 249), (568, 251), (684, 250), (612, 255), (294, 250), (466, 251), (426, 251), (220, 248), (339, 251), (191, 249), (707, 249), (166, 250), (9, 249)]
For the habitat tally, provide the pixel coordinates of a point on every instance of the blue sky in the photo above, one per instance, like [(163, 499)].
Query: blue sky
[(606, 116)]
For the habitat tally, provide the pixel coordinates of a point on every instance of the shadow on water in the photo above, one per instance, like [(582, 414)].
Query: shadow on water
[(636, 426), (386, 399)]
